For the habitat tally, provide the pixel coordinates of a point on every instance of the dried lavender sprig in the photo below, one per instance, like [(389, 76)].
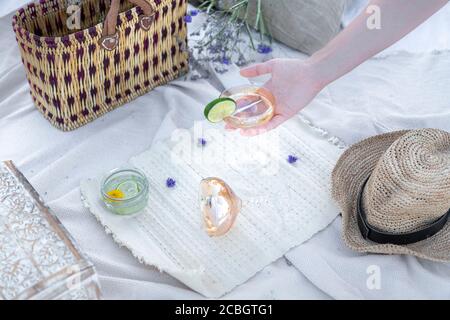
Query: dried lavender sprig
[(220, 41)]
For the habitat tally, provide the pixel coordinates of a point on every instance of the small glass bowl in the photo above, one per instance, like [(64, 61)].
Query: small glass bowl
[(255, 106), (126, 205)]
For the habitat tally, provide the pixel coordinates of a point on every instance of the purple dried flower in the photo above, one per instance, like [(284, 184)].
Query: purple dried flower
[(214, 49), (202, 142), (226, 61), (170, 183), (292, 159), (188, 18), (194, 12), (264, 49)]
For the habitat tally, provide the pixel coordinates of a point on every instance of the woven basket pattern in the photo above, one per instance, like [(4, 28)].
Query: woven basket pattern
[(74, 80)]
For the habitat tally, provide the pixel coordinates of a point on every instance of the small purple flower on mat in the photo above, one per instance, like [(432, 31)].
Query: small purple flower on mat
[(171, 183), (202, 142), (226, 61), (292, 159), (194, 12), (188, 18), (264, 49)]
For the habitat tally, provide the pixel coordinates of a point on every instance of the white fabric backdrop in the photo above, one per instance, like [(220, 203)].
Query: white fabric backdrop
[(55, 162)]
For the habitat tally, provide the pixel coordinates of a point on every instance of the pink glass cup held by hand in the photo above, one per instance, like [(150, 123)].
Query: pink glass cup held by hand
[(245, 106)]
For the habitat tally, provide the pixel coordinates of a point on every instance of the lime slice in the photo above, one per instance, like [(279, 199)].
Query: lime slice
[(129, 188), (219, 109)]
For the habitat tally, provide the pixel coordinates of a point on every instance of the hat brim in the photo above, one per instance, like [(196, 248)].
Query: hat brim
[(351, 171)]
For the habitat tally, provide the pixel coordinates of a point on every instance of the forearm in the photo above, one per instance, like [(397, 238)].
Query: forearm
[(357, 42)]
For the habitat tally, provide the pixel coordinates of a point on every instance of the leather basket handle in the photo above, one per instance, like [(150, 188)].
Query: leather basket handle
[(109, 39)]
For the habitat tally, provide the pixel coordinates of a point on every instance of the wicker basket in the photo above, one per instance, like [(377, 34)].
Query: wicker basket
[(75, 77)]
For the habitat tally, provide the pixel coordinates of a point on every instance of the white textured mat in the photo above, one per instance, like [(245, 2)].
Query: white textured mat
[(283, 204)]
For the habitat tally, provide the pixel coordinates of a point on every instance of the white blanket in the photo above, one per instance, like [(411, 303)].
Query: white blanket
[(56, 162)]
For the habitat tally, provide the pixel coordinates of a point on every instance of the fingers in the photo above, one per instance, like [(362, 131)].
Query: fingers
[(257, 70), (272, 124), (229, 127)]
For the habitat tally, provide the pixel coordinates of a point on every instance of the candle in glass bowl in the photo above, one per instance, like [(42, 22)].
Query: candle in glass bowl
[(125, 191)]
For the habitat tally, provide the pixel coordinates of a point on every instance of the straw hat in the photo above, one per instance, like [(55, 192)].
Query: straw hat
[(394, 193)]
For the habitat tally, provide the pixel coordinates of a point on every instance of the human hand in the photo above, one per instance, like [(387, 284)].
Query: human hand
[(294, 84)]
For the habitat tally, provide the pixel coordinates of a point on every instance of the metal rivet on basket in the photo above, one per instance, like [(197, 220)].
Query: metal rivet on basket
[(109, 42), (146, 21)]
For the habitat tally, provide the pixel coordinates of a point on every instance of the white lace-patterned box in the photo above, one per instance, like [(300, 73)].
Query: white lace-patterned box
[(38, 258)]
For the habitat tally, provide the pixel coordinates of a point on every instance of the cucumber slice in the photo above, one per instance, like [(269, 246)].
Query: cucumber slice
[(129, 188), (219, 109)]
